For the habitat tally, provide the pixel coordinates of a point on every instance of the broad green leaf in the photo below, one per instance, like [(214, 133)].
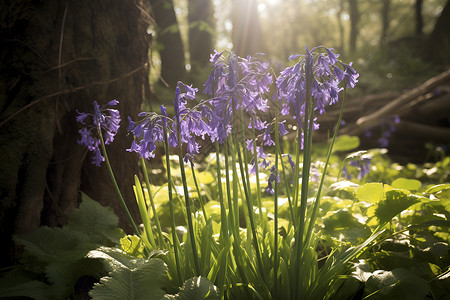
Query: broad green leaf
[(344, 185), (131, 278), (437, 188), (343, 226), (372, 192), (396, 284), (395, 202), (346, 143), (196, 288), (16, 283), (406, 184), (96, 221)]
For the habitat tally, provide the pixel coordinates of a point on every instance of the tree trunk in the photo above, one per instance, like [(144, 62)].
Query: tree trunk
[(201, 29), (56, 58), (246, 33), (341, 26), (438, 44), (419, 18), (173, 64), (385, 22), (354, 20)]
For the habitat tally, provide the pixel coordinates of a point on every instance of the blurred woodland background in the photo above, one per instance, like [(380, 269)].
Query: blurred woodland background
[(57, 56)]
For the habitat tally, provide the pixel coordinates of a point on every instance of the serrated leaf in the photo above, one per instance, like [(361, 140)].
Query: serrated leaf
[(407, 184), (135, 279), (395, 202), (196, 288), (96, 221)]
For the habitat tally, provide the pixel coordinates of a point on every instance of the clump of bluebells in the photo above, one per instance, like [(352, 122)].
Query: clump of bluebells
[(105, 122), (387, 125), (235, 118)]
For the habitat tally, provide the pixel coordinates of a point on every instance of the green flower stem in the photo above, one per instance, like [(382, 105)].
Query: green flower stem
[(250, 215), (116, 186), (236, 190), (258, 186), (275, 200), (187, 200), (223, 213), (228, 186), (162, 243), (194, 177), (307, 141), (291, 208), (171, 207), (313, 217)]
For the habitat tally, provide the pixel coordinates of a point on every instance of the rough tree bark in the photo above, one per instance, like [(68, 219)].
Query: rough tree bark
[(201, 28), (57, 57), (173, 64)]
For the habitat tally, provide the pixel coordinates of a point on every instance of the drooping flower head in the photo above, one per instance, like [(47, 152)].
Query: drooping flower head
[(235, 84), (104, 120), (315, 78), (149, 129)]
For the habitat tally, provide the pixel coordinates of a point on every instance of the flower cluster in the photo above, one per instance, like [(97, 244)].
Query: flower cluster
[(105, 121), (239, 89), (362, 165), (387, 128), (315, 78)]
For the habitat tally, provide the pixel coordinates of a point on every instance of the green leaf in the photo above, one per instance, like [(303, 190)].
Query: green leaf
[(396, 284), (342, 225), (131, 278), (346, 143), (196, 288), (406, 184), (17, 283), (372, 192), (131, 244), (396, 201), (98, 222), (437, 188)]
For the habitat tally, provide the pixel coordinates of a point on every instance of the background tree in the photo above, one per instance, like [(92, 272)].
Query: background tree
[(201, 32), (170, 45), (354, 23), (438, 44), (56, 57), (419, 18), (246, 35), (385, 8)]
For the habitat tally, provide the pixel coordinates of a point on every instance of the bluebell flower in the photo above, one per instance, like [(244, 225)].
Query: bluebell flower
[(322, 73), (105, 119), (235, 84), (361, 165), (150, 128), (272, 177)]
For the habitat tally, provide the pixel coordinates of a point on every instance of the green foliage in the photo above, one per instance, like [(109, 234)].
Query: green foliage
[(130, 277), (54, 258)]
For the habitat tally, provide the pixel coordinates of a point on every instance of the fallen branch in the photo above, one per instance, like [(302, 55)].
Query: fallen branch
[(397, 104)]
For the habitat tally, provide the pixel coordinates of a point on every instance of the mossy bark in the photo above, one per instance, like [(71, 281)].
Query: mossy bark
[(56, 57)]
